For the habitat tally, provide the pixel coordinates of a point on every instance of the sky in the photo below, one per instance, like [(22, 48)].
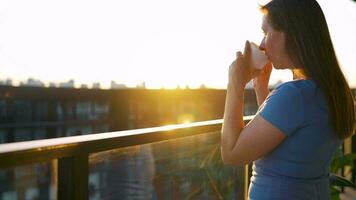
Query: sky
[(163, 43)]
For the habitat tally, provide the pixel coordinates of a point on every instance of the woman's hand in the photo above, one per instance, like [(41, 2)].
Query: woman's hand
[(349, 194), (261, 81), (240, 70), (260, 84)]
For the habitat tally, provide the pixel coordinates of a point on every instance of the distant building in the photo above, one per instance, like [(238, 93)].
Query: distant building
[(69, 84), (96, 86), (52, 85), (114, 85), (141, 85), (84, 86), (35, 113), (7, 82), (32, 83)]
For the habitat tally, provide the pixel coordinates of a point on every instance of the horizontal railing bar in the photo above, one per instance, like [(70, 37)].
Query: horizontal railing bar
[(21, 153)]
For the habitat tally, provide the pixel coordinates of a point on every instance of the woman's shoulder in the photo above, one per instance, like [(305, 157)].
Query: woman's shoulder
[(301, 87), (297, 84), (301, 90), (286, 93)]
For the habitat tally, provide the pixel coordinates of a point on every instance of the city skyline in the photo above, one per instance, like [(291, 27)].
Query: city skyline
[(159, 43), (31, 82)]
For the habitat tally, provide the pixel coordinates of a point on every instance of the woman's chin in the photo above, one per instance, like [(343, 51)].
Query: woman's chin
[(276, 66)]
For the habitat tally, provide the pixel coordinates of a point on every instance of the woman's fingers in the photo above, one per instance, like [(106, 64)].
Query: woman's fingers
[(267, 68), (247, 50), (239, 69), (351, 191), (238, 54), (348, 194)]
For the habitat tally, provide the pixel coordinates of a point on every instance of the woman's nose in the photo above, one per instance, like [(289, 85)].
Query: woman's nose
[(262, 45)]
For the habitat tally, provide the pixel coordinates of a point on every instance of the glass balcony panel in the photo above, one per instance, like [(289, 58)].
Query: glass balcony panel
[(188, 168), (37, 181), (22, 110), (3, 136)]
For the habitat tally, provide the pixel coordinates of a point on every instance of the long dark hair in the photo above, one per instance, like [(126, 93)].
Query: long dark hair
[(308, 43)]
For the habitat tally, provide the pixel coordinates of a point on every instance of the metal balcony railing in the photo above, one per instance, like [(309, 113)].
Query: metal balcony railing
[(72, 153)]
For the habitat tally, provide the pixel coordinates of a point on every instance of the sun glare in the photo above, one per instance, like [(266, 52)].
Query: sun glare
[(162, 44)]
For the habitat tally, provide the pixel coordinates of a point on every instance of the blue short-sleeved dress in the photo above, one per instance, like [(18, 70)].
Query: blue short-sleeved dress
[(298, 168)]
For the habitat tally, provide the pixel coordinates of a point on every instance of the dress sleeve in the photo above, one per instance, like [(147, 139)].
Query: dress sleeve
[(284, 109)]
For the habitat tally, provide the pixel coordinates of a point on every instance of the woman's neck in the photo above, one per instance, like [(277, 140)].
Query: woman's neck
[(298, 74)]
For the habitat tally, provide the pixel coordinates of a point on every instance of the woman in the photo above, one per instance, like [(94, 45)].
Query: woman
[(348, 194), (301, 123)]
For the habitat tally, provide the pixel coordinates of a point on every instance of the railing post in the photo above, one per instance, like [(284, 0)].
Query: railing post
[(247, 175), (244, 173), (73, 175)]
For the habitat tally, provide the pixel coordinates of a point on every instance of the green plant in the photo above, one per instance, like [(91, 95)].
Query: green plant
[(337, 182)]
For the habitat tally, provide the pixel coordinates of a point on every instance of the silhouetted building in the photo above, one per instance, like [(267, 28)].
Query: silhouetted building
[(7, 82), (96, 86), (69, 84), (28, 113), (114, 85), (32, 83)]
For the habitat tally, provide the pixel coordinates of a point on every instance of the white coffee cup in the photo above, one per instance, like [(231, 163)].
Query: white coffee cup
[(258, 57)]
